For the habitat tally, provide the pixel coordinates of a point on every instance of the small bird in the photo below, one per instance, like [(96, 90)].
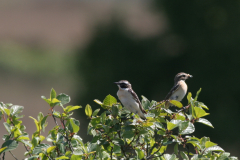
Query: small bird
[(129, 98), (179, 89)]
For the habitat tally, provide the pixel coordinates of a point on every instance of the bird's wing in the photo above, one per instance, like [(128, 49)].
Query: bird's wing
[(174, 89), (135, 97)]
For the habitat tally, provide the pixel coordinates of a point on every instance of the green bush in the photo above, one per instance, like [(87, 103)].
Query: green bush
[(115, 134)]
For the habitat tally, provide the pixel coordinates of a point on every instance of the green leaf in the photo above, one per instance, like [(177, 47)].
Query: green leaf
[(47, 100), (74, 124), (176, 103), (145, 102), (36, 123), (76, 157), (186, 128), (197, 94), (62, 157), (10, 145), (202, 105), (16, 132), (7, 126), (2, 149), (41, 148), (171, 126), (88, 110), (140, 153), (53, 94), (200, 112), (103, 117), (96, 112), (214, 148), (16, 109), (184, 156), (205, 121), (43, 123), (176, 149), (63, 98), (128, 134), (114, 111), (50, 149), (189, 96), (40, 116), (109, 101), (71, 108), (55, 100), (98, 102), (209, 144)]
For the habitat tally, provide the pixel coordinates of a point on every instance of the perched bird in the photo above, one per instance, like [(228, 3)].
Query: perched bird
[(179, 89), (129, 98)]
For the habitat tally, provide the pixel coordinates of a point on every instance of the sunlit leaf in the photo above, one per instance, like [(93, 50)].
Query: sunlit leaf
[(171, 126), (209, 144), (41, 148), (189, 96), (109, 101), (7, 126), (36, 123), (176, 103), (63, 98), (96, 112), (15, 109), (198, 92), (200, 112), (184, 156), (71, 108), (9, 145), (50, 149), (62, 157), (214, 148), (205, 121), (98, 102), (53, 94), (88, 110)]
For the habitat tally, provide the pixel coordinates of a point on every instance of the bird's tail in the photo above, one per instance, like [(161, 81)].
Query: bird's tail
[(141, 115)]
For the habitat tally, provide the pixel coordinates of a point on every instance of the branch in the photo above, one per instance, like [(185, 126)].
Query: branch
[(30, 155), (69, 143), (3, 155), (13, 155), (54, 117)]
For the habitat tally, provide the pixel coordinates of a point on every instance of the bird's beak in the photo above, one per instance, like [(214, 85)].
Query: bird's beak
[(190, 76), (116, 83)]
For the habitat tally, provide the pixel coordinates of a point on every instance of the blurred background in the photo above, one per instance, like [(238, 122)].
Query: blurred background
[(81, 47)]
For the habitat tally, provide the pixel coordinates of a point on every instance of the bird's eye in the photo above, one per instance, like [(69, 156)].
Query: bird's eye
[(184, 75)]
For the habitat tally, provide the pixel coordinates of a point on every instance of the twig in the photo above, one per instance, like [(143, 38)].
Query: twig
[(13, 155), (184, 108), (30, 155), (111, 152), (3, 155), (54, 117), (69, 143), (158, 156)]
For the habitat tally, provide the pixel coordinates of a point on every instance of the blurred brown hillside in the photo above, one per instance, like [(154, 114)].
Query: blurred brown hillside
[(38, 41)]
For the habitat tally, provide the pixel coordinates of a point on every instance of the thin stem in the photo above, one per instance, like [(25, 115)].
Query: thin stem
[(30, 155), (54, 117), (13, 155), (111, 152), (3, 156), (69, 143)]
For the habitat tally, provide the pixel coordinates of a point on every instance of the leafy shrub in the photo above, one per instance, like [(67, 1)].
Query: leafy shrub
[(115, 134)]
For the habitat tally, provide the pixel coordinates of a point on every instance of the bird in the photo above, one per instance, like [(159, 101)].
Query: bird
[(129, 98), (179, 89)]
